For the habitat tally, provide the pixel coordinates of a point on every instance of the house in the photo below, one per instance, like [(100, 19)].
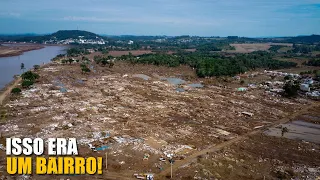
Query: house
[(90, 50)]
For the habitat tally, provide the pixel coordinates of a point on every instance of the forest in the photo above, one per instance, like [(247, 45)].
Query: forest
[(208, 64), (313, 62)]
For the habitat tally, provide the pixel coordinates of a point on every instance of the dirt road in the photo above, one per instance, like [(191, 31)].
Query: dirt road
[(218, 147), (8, 90)]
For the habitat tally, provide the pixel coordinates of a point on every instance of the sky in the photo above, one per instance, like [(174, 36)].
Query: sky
[(250, 18)]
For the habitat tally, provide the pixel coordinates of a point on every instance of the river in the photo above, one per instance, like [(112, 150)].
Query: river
[(10, 66)]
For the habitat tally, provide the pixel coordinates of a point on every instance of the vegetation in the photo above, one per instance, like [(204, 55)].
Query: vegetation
[(59, 35), (22, 67), (29, 75), (275, 48), (305, 39), (16, 91), (27, 83), (66, 34), (313, 62), (74, 52), (84, 68), (59, 56), (208, 64), (208, 47), (291, 89), (155, 59), (36, 67), (104, 60), (28, 79)]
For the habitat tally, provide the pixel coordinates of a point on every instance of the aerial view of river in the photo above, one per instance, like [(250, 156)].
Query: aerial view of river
[(10, 66)]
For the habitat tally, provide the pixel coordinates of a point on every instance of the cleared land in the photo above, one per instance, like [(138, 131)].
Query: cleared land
[(247, 48), (137, 118)]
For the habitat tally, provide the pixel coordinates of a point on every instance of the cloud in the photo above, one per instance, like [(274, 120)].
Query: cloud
[(146, 20)]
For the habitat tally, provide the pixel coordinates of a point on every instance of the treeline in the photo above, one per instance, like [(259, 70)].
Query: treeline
[(208, 64), (74, 52), (275, 48), (305, 49), (155, 59), (313, 62), (219, 65)]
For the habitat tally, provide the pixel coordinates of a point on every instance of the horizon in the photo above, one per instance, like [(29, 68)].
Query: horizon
[(243, 18), (110, 35)]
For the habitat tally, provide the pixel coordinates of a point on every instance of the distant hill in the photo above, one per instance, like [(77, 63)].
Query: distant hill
[(59, 35), (305, 39), (66, 34), (74, 34)]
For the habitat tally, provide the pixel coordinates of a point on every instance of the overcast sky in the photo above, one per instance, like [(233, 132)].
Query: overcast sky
[(253, 18)]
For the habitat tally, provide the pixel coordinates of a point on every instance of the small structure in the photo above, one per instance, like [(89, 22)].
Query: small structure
[(304, 87), (242, 89), (247, 113)]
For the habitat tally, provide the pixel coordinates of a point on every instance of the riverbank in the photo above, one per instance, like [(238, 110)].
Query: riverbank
[(11, 66), (5, 92), (17, 49)]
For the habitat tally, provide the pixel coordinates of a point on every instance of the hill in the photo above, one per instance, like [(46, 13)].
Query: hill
[(305, 39), (74, 34), (59, 35)]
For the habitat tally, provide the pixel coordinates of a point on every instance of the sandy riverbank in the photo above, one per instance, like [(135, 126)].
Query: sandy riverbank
[(7, 51)]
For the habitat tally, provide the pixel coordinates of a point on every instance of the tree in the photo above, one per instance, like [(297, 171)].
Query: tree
[(16, 91), (29, 76), (104, 51), (84, 68), (36, 67), (70, 60), (22, 67), (291, 89), (27, 83)]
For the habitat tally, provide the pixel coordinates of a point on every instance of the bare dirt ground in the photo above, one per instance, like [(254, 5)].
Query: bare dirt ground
[(8, 89), (6, 51), (247, 48), (260, 157), (134, 117)]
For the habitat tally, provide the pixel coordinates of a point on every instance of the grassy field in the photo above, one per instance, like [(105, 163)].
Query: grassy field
[(247, 48)]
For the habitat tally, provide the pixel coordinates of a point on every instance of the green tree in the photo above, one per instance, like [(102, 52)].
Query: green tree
[(22, 67), (104, 51), (27, 83), (291, 89), (16, 91), (29, 75), (84, 68), (36, 67)]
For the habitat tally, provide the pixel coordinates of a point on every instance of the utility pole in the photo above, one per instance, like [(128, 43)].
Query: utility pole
[(106, 160), (171, 163), (171, 170)]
